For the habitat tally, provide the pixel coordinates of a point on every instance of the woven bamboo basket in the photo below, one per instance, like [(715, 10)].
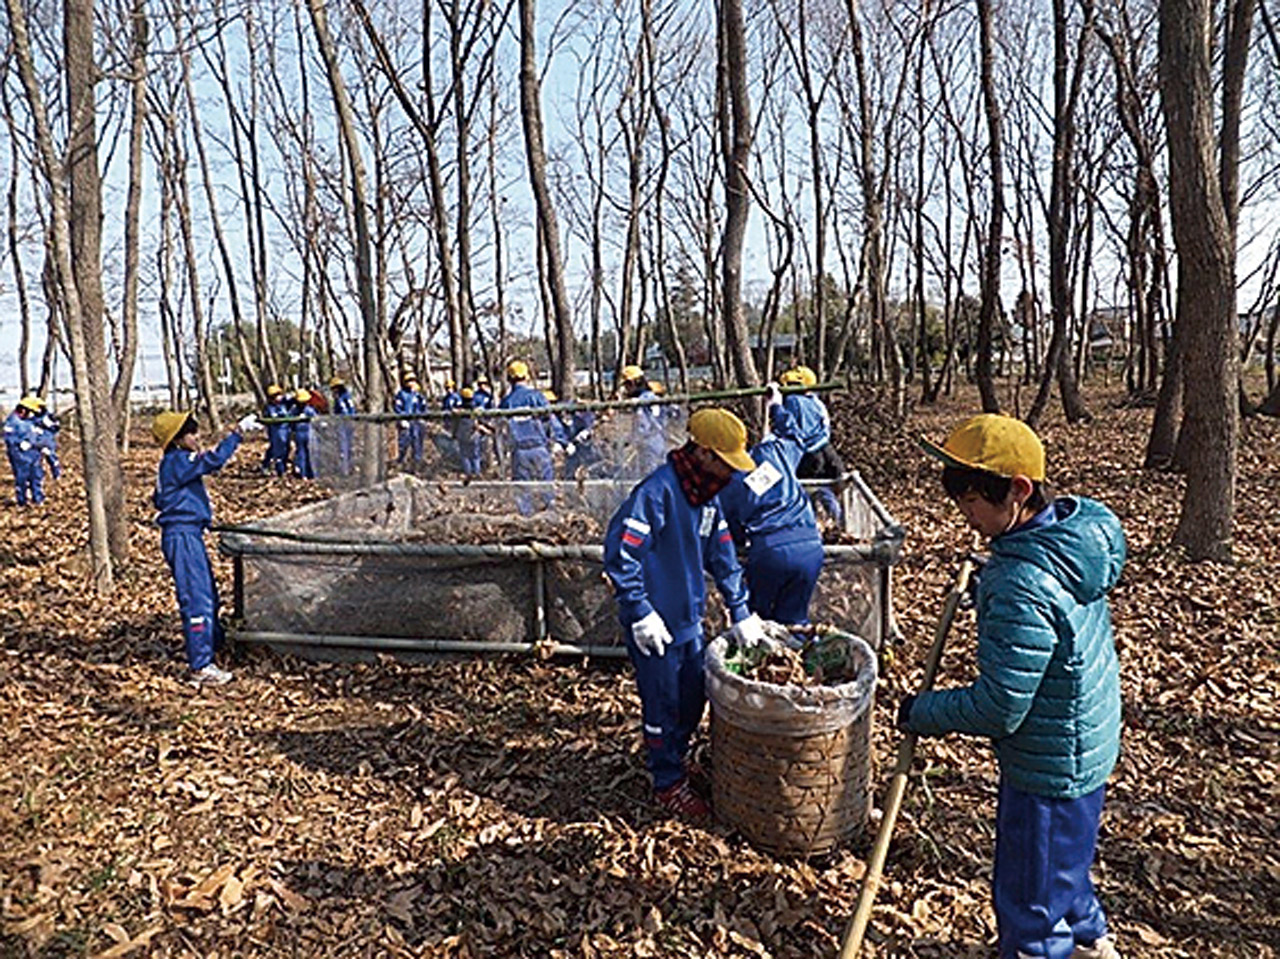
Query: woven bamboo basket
[(791, 765)]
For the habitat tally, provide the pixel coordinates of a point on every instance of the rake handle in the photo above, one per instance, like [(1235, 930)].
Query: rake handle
[(857, 928)]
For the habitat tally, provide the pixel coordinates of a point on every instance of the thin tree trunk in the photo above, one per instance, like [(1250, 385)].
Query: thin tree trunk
[(991, 263)]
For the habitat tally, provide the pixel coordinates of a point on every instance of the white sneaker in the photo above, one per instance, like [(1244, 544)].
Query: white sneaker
[(211, 675), (1104, 948)]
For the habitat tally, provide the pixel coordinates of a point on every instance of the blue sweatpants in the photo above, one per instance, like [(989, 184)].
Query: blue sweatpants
[(28, 476), (197, 590), (781, 578), (1044, 898), (533, 463), (673, 697)]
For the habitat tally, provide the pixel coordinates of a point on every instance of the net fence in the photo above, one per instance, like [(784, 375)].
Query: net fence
[(432, 560)]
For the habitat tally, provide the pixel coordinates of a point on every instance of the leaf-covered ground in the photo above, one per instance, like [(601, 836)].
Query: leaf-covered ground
[(499, 808)]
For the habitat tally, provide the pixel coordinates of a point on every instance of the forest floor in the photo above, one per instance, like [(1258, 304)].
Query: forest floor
[(500, 808)]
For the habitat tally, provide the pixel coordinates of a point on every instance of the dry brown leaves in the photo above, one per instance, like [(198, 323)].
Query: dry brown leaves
[(481, 808)]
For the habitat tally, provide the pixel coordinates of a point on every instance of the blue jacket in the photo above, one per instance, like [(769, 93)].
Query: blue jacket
[(409, 401), (481, 400), (655, 550), (527, 432), (649, 427), (452, 401), (768, 506), (278, 431), (343, 404), (302, 427), (180, 497), (805, 419), (1048, 686)]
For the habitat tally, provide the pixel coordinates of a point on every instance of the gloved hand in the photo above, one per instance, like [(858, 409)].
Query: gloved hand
[(401, 425), (248, 423), (774, 396), (651, 635), (570, 449), (24, 445), (904, 712), (583, 436), (749, 632)]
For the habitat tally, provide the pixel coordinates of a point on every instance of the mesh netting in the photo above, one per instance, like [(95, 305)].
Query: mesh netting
[(488, 560)]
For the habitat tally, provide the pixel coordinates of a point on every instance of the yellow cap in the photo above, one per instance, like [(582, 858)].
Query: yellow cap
[(517, 370), (336, 381), (724, 434), (32, 403), (274, 390), (466, 392), (167, 425), (994, 443), (550, 395), (657, 387), (449, 384), (798, 376), (302, 396), (631, 373)]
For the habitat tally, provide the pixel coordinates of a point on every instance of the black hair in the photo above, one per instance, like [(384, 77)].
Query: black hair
[(958, 480), (189, 426)]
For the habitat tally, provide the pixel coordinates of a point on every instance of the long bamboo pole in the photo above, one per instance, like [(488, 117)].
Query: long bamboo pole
[(853, 935), (709, 396)]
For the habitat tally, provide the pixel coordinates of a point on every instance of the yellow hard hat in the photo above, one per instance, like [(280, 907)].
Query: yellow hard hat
[(993, 443), (517, 370), (32, 403), (631, 373), (550, 395), (657, 387), (449, 384), (724, 434), (275, 390), (302, 396), (166, 426), (798, 376), (466, 392), (336, 381), (483, 381)]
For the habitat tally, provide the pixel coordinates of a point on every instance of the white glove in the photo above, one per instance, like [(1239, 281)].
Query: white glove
[(583, 436), (401, 425), (774, 396), (651, 635), (569, 449), (249, 423), (24, 445), (748, 633)]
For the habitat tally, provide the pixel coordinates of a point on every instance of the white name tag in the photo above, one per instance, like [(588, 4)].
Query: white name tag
[(708, 522), (763, 478)]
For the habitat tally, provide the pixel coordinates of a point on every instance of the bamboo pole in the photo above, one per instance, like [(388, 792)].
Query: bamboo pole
[(853, 935), (422, 644), (710, 396)]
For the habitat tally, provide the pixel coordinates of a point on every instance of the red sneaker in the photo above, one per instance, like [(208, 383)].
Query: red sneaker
[(681, 801)]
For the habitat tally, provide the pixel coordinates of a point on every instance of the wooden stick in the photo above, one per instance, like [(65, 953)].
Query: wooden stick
[(852, 941)]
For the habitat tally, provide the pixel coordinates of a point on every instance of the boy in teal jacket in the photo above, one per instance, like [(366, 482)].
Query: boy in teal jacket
[(1048, 686)]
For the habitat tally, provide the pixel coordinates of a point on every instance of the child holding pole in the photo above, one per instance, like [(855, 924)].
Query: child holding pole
[(1048, 687)]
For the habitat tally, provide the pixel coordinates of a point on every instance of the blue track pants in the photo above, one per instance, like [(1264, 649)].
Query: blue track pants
[(781, 579), (1044, 897), (673, 697), (197, 590)]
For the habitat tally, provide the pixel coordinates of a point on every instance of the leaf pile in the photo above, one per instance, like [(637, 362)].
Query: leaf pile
[(500, 807)]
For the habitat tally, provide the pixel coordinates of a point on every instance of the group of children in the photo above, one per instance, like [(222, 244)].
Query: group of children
[(288, 422), (31, 440), (1047, 689)]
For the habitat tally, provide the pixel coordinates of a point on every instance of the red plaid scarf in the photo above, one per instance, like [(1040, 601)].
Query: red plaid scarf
[(698, 485)]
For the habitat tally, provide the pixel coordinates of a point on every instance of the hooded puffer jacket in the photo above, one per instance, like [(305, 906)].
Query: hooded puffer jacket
[(1048, 686)]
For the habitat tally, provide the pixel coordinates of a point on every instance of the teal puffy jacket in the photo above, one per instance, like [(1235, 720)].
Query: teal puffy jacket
[(1048, 686)]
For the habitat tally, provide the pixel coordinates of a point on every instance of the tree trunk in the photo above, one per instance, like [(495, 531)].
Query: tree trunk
[(988, 313), (1206, 310), (371, 465), (100, 540), (733, 54), (562, 374)]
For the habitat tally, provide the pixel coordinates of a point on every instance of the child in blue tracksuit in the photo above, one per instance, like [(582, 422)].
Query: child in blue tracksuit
[(343, 405), (409, 432), (771, 515), (277, 455), (183, 513), (529, 438), (1048, 687), (670, 529), (805, 419), (648, 423), (301, 430)]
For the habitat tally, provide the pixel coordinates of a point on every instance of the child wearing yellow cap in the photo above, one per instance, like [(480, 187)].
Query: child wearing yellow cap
[(667, 532), (1048, 687)]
